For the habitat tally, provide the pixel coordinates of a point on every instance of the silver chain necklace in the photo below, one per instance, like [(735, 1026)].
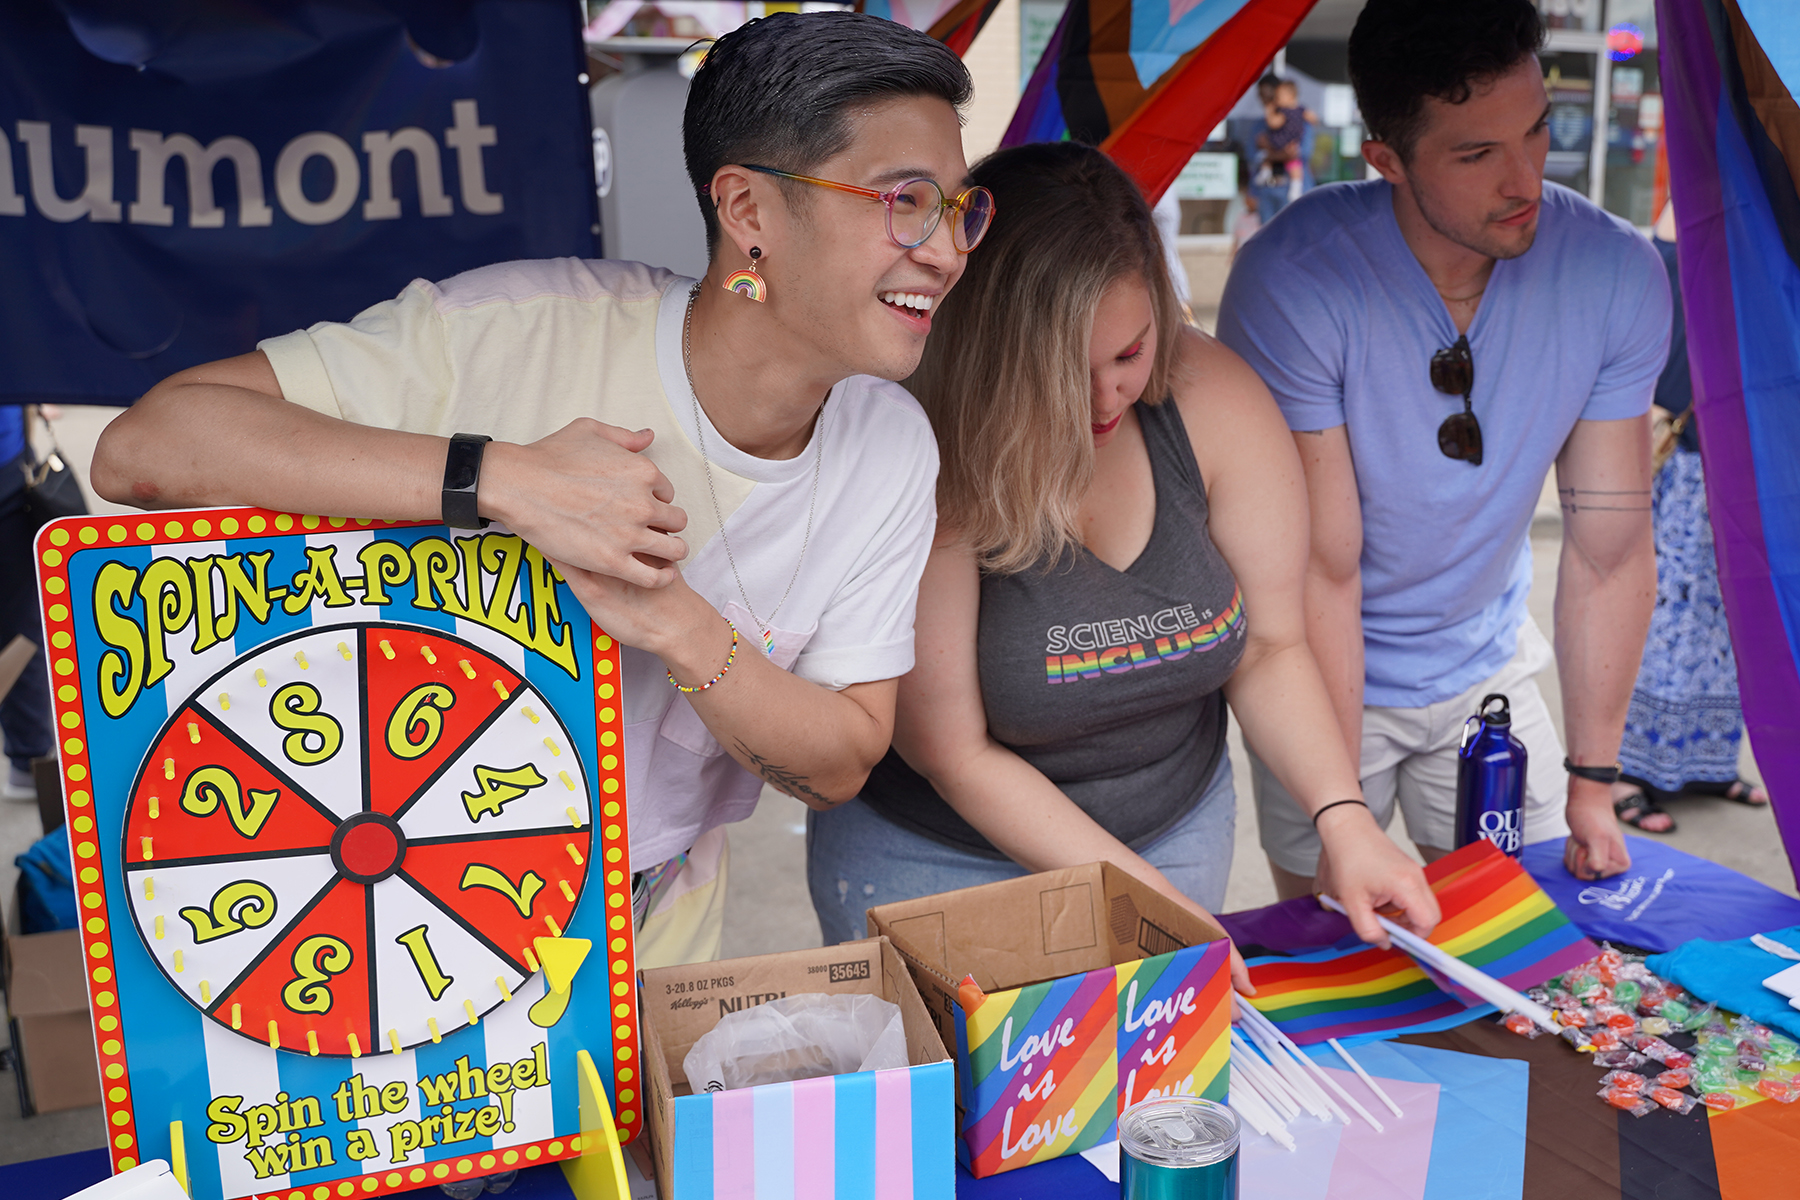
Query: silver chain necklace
[(767, 628)]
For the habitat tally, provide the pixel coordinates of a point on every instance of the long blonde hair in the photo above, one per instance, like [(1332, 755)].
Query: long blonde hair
[(1004, 376)]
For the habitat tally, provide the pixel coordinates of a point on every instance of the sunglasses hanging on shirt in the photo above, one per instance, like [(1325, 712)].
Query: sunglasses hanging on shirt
[(1453, 373)]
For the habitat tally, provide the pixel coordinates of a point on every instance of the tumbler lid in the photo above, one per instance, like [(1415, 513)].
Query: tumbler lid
[(1183, 1131), (1503, 717)]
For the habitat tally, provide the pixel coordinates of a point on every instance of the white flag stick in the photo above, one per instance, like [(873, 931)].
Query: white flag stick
[(1288, 1044), (1364, 1076)]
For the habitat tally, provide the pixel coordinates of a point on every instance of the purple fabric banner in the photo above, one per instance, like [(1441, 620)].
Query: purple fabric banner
[(1728, 115)]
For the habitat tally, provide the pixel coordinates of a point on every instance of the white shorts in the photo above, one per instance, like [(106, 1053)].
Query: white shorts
[(1409, 756)]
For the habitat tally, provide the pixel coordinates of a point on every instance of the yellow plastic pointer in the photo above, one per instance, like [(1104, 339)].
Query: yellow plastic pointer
[(560, 958)]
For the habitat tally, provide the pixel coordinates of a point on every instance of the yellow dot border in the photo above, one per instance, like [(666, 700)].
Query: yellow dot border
[(58, 543), (611, 832)]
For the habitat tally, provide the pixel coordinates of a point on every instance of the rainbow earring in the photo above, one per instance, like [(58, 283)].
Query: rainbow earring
[(749, 283)]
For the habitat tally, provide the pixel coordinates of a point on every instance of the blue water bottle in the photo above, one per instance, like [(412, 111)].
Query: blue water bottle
[(1490, 779)]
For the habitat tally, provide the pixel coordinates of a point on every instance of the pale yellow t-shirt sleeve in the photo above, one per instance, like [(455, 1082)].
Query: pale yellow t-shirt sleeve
[(389, 366)]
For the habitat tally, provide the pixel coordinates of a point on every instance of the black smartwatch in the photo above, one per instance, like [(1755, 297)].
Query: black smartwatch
[(462, 475)]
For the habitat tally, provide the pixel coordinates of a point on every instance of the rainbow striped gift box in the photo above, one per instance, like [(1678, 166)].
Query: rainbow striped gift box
[(1050, 1066), (875, 1135), (1085, 990), (1495, 917)]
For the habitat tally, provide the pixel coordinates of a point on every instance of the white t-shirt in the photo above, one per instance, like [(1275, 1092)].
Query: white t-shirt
[(518, 350)]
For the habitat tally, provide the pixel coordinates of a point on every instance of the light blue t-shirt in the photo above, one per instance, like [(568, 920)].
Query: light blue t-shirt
[(1332, 309)]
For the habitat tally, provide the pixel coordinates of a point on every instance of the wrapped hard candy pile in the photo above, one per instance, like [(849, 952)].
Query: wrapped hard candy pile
[(1616, 1009)]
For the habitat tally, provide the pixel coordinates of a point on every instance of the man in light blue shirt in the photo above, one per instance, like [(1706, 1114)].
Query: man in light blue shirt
[(1370, 309)]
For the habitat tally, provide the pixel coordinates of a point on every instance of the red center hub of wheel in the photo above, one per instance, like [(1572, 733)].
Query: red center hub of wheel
[(368, 847)]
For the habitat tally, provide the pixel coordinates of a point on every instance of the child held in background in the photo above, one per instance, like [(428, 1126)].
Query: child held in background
[(1287, 122)]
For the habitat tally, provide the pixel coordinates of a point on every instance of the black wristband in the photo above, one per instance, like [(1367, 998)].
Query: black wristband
[(462, 475), (1332, 805), (1596, 774)]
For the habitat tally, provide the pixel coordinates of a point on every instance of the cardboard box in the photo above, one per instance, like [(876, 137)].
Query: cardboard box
[(1099, 990), (47, 1007), (796, 1139)]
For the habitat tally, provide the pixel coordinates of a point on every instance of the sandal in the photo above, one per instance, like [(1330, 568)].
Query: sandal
[(1635, 807), (1739, 791)]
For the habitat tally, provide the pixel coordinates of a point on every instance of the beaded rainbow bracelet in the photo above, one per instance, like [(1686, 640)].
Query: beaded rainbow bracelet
[(729, 659)]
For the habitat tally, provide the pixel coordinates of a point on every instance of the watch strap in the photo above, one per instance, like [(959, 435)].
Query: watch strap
[(1596, 774), (462, 476)]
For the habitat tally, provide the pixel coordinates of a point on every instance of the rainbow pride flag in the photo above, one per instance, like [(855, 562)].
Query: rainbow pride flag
[(1495, 917)]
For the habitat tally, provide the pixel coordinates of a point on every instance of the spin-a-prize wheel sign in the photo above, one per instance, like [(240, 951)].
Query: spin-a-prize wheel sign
[(347, 808)]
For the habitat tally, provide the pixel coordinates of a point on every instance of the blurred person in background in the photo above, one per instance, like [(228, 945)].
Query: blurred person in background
[(1286, 139), (1168, 227), (1685, 724), (25, 711), (1269, 192)]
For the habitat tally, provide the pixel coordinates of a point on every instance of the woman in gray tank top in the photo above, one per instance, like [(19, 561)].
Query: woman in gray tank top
[(1121, 551)]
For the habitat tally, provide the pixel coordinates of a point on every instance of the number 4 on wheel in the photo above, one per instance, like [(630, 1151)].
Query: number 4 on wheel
[(347, 807)]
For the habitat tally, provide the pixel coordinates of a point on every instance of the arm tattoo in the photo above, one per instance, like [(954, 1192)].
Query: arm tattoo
[(780, 778), (1577, 500)]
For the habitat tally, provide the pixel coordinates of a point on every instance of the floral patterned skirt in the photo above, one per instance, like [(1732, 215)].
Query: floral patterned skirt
[(1685, 722)]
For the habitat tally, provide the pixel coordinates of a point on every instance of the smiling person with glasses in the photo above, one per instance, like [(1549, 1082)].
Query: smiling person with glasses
[(721, 467), (1439, 339), (1121, 553)]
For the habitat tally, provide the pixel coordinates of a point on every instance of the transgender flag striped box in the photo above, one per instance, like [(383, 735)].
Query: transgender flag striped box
[(872, 1135), (875, 1135)]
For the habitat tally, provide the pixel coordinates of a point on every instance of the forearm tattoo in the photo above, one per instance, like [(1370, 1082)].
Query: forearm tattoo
[(791, 783), (1585, 500)]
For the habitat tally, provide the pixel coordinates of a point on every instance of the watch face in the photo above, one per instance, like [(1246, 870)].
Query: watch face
[(347, 839)]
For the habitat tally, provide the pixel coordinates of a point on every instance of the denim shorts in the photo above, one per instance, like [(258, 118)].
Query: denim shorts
[(857, 859)]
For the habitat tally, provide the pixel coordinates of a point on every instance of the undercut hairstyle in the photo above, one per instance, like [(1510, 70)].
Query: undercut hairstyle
[(1005, 374), (1402, 51), (779, 91)]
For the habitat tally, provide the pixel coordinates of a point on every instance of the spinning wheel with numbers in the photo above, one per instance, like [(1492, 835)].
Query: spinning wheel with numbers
[(348, 839)]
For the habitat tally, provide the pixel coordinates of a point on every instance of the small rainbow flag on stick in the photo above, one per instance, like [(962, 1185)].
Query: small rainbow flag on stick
[(1495, 917)]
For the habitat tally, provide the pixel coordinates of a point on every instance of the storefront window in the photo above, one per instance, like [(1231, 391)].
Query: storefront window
[(1600, 73), (1634, 133), (1583, 15), (1569, 78), (1635, 115)]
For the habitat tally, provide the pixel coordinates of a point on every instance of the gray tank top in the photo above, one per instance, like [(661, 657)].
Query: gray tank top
[(1107, 681)]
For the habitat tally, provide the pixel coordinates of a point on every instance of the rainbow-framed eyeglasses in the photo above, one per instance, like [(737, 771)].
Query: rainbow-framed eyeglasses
[(915, 207)]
